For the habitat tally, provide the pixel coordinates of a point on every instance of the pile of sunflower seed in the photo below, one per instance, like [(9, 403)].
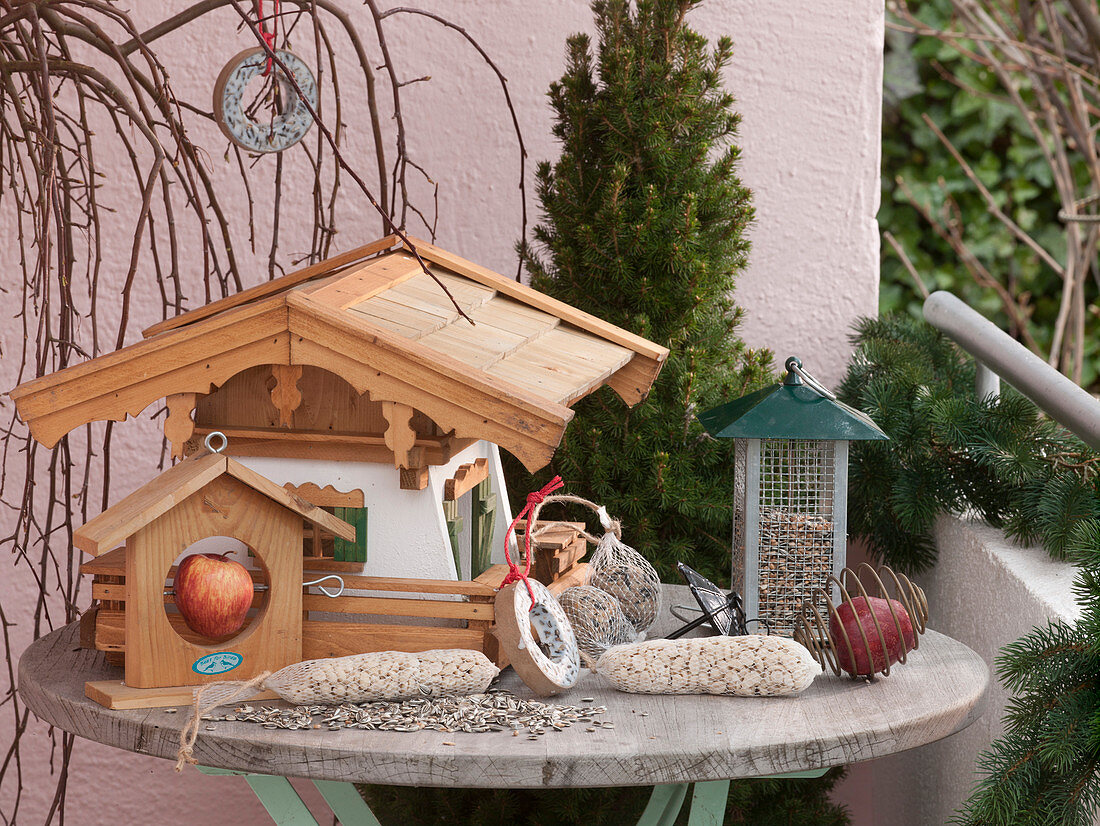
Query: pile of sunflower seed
[(476, 713)]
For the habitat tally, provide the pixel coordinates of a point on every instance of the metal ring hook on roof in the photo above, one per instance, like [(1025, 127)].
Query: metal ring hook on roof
[(208, 441)]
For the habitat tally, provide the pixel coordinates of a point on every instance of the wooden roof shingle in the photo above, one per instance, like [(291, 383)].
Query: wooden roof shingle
[(374, 317)]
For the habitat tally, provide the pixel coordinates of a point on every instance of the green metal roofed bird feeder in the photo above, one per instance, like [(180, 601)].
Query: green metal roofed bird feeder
[(790, 490)]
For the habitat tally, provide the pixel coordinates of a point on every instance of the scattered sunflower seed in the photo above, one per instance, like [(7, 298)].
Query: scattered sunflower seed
[(495, 710)]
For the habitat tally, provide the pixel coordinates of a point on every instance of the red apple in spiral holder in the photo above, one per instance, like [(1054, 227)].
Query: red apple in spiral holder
[(213, 594), (862, 612)]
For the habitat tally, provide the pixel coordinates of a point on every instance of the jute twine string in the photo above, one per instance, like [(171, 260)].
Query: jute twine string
[(208, 698), (609, 524), (589, 662)]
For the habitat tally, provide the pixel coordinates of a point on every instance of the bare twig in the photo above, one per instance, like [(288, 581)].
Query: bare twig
[(908, 264), (990, 201), (1046, 59)]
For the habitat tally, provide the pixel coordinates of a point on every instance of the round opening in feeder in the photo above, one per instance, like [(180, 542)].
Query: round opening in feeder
[(215, 591)]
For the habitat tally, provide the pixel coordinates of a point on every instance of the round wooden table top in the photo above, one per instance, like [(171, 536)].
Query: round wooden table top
[(656, 739)]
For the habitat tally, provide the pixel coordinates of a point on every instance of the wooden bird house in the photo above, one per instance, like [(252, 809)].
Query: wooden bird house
[(358, 384), (207, 495)]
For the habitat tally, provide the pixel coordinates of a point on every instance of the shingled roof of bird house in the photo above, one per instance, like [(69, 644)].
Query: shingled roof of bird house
[(373, 317), (154, 499)]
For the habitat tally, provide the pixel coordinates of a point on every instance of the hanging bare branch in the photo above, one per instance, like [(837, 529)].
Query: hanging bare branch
[(1046, 58), (61, 111)]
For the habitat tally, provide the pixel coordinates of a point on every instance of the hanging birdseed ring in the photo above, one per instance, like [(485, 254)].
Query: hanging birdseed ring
[(544, 672), (270, 134)]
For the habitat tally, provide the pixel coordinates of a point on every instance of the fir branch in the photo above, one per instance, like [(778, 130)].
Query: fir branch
[(1002, 459)]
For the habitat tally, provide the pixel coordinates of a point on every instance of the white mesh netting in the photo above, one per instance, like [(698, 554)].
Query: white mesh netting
[(624, 573), (383, 675), (597, 619), (747, 666)]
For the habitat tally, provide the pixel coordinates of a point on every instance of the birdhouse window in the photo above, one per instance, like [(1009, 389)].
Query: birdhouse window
[(342, 549), (319, 546), (469, 508)]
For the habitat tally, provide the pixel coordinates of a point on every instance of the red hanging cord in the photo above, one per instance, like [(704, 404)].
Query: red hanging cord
[(269, 37), (533, 499)]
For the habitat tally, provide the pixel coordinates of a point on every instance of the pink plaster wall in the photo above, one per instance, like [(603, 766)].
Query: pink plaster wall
[(807, 76)]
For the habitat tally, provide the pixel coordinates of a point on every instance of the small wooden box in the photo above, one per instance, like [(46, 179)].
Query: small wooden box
[(558, 553)]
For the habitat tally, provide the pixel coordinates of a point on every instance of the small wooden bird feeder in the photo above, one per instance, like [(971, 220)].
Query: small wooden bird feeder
[(790, 490), (207, 495)]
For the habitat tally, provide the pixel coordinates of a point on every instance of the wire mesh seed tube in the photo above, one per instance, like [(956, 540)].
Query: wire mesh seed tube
[(789, 523)]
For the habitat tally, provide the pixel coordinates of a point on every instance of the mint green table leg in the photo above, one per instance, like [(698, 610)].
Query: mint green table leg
[(796, 775), (346, 803), (280, 800), (708, 803), (276, 794), (664, 805)]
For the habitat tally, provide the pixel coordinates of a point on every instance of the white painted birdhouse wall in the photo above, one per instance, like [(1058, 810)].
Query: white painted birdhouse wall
[(406, 530)]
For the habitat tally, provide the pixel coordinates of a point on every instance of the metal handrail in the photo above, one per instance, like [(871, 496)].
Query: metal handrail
[(1061, 398)]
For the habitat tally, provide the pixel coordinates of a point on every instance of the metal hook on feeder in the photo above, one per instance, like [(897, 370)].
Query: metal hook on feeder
[(794, 366), (259, 586), (323, 589), (208, 441)]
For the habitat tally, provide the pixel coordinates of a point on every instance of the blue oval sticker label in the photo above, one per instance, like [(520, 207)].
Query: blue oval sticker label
[(217, 663)]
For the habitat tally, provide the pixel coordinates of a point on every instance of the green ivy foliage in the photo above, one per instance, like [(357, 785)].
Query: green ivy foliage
[(924, 75)]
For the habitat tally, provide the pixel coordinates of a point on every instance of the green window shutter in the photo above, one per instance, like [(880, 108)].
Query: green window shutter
[(345, 551), (483, 510), (454, 528)]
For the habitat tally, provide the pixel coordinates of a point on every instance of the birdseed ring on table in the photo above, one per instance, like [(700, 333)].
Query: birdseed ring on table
[(274, 134), (517, 623)]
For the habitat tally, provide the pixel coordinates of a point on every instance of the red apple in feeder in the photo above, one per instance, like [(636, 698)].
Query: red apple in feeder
[(870, 628), (213, 594), (854, 632)]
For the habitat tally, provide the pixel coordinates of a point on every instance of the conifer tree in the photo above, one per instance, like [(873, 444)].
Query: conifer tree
[(950, 452), (644, 226), (644, 221)]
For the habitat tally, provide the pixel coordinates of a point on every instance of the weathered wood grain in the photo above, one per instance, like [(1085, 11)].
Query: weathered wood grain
[(680, 739)]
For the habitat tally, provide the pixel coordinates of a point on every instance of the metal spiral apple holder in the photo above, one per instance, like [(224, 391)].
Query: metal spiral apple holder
[(813, 629)]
